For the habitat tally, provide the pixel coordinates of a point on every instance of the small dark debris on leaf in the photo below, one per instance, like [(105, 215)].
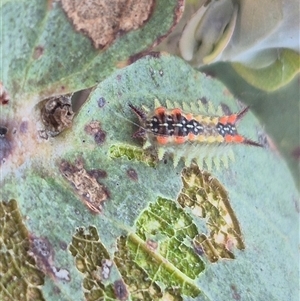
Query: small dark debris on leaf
[(203, 100), (3, 131), (120, 290), (5, 144), (265, 140), (56, 114), (38, 52), (235, 294), (198, 249), (63, 245), (137, 56), (132, 174), (225, 108), (101, 102), (90, 191), (296, 203)]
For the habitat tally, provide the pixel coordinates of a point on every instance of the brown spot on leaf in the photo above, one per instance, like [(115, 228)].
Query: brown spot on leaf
[(104, 20), (120, 290), (4, 97), (97, 173), (94, 129), (38, 52), (56, 114), (132, 174), (90, 191), (43, 253)]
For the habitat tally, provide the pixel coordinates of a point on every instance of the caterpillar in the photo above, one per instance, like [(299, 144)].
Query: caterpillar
[(185, 135)]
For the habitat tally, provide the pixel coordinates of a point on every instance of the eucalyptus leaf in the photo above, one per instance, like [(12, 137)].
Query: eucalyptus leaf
[(258, 39), (143, 232)]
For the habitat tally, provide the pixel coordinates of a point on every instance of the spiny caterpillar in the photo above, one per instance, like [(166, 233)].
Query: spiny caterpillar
[(190, 136)]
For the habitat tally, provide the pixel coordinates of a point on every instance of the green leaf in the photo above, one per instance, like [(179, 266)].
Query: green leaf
[(262, 42), (277, 75), (160, 227), (42, 53)]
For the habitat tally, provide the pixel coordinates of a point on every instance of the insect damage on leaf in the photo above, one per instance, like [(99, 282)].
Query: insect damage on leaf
[(161, 247), (208, 199), (56, 115), (132, 153), (118, 278), (20, 278), (90, 191), (104, 20), (185, 134), (93, 260)]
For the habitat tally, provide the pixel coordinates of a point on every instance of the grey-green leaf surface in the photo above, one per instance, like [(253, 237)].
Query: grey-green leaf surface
[(259, 186), (278, 111), (43, 54)]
